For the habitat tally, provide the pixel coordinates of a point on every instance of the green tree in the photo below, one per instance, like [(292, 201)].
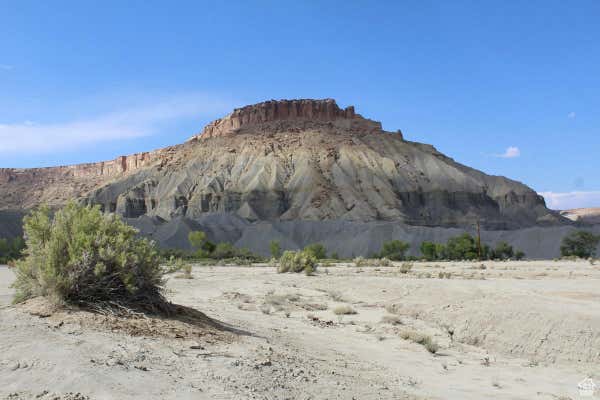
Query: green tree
[(317, 250), (430, 251), (224, 250), (83, 256), (196, 239), (463, 247), (580, 244), (395, 250), (275, 248)]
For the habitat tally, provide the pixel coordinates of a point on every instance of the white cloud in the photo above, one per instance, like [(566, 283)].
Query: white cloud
[(511, 152), (571, 115), (135, 122), (569, 200)]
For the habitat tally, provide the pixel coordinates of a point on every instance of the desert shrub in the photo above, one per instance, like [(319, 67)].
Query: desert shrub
[(360, 261), (317, 250), (422, 339), (392, 319), (10, 249), (406, 267), (463, 247), (275, 249), (580, 244), (385, 262), (297, 261), (344, 310), (395, 250), (179, 265), (334, 256), (228, 253), (202, 246), (85, 257), (196, 239), (432, 251), (224, 250), (503, 251)]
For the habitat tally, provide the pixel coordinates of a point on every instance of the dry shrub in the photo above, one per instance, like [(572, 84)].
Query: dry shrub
[(422, 339), (392, 319), (344, 310), (406, 267), (297, 261)]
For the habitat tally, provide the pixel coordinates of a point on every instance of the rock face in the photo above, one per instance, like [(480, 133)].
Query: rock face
[(23, 188), (297, 113), (311, 160), (289, 160)]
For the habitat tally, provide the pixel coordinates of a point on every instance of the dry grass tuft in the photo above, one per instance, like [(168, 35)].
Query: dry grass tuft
[(344, 310)]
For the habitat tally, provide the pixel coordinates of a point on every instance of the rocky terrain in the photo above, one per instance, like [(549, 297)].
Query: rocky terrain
[(288, 339), (294, 168), (583, 215)]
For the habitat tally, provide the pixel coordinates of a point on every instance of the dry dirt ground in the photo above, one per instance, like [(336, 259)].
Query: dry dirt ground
[(514, 330)]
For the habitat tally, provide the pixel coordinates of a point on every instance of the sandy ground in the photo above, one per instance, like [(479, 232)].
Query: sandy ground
[(514, 330)]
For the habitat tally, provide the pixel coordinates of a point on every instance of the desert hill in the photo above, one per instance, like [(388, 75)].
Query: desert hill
[(297, 166), (583, 215)]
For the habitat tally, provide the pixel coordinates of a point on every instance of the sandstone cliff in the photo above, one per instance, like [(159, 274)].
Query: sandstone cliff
[(23, 188), (311, 160)]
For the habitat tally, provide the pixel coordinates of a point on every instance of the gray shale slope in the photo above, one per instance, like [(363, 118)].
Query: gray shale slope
[(299, 171)]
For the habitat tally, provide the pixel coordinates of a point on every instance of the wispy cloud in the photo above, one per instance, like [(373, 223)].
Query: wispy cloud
[(6, 67), (569, 200), (510, 152), (571, 115), (135, 122)]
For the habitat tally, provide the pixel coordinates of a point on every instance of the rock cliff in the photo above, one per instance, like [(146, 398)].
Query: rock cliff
[(299, 114), (289, 160)]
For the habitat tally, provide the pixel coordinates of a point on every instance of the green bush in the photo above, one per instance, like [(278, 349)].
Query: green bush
[(275, 248), (395, 250), (11, 249), (580, 244), (317, 250), (297, 261), (429, 250), (503, 251), (84, 257), (461, 247)]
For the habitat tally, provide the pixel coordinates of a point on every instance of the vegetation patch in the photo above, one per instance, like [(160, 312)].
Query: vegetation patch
[(81, 256), (297, 261), (344, 310)]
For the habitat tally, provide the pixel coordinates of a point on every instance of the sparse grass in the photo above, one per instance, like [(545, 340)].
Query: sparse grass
[(360, 262), (385, 262), (186, 270), (422, 339), (392, 319), (336, 296), (344, 310), (406, 267)]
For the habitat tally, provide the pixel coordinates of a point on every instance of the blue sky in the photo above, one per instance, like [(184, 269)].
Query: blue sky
[(511, 88)]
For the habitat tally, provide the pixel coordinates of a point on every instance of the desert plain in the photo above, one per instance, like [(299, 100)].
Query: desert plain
[(441, 330)]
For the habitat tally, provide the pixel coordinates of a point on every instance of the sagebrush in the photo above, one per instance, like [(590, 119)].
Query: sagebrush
[(80, 255), (297, 261)]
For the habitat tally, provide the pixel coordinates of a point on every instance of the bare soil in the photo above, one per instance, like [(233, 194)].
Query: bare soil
[(502, 330)]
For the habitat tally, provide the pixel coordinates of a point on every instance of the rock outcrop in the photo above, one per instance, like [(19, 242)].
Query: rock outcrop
[(590, 216), (302, 113), (311, 160), (23, 188), (289, 161)]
